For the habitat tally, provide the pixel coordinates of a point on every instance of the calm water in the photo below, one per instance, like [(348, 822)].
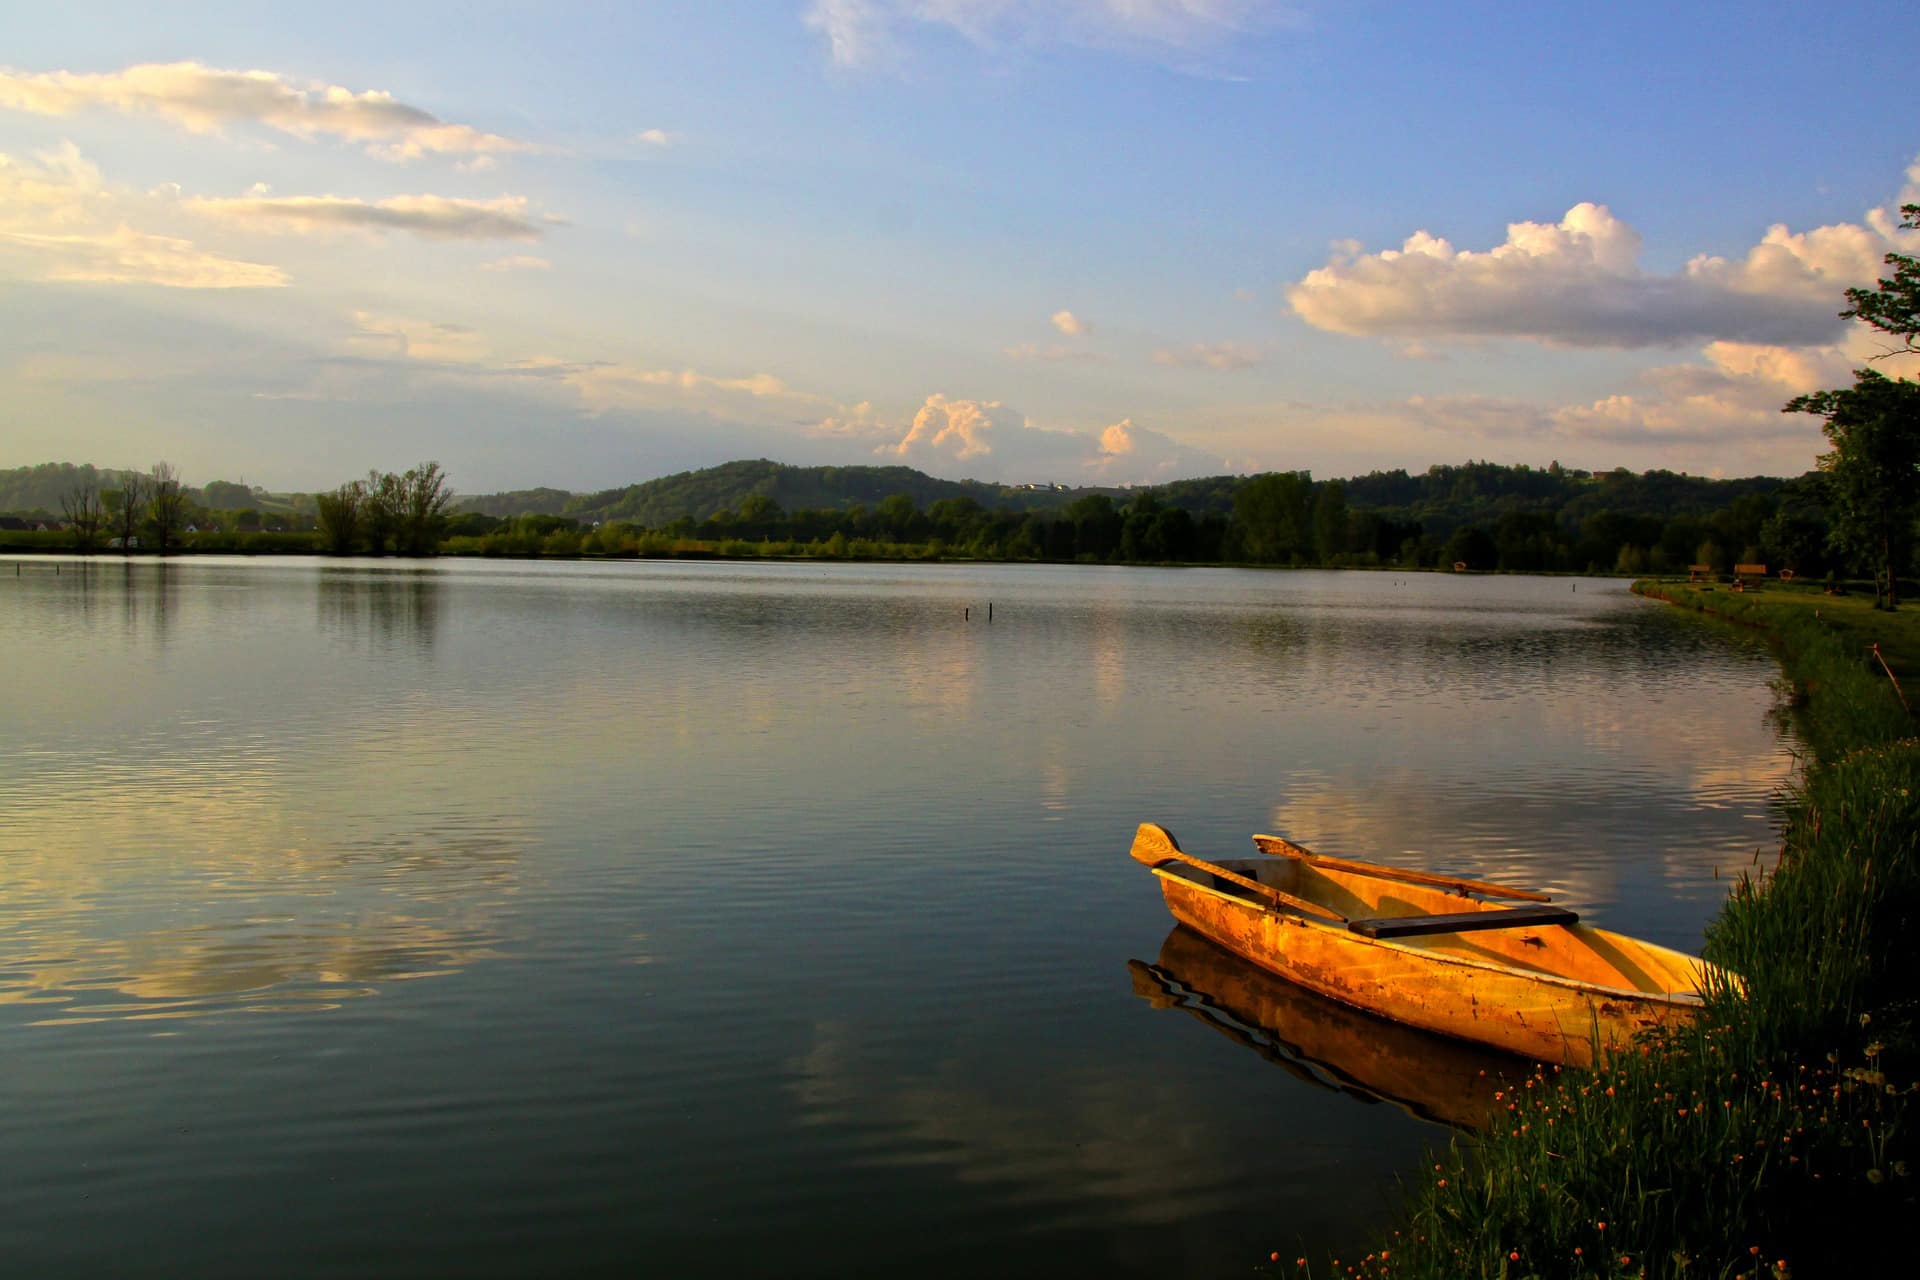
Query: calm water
[(501, 919)]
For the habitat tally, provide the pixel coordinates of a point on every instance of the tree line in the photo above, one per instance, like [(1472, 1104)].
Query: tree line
[(1281, 518)]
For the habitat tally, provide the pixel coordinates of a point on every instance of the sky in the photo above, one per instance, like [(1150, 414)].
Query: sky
[(1071, 241)]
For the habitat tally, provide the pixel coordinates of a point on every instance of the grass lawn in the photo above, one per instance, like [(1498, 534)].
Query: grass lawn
[(1851, 617)]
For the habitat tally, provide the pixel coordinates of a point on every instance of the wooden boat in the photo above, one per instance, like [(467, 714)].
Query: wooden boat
[(1429, 950), (1322, 1041)]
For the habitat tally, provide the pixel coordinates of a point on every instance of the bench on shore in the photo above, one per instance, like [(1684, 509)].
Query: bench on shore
[(1748, 577)]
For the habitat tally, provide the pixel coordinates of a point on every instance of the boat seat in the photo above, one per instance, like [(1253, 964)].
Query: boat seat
[(1464, 922)]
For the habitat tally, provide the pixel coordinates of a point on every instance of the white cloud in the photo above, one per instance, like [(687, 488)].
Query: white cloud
[(59, 221), (1184, 34), (1129, 453), (434, 217), (859, 33), (985, 439), (1220, 356), (656, 138), (954, 430), (1070, 324), (204, 99), (126, 256), (1578, 283)]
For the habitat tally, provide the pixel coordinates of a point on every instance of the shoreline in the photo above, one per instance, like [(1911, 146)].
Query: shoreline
[(1775, 1138)]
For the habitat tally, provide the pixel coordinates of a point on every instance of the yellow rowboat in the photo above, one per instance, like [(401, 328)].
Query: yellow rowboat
[(1322, 1041), (1429, 950)]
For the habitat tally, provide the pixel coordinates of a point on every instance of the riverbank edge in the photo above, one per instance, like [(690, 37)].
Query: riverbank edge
[(1775, 1137)]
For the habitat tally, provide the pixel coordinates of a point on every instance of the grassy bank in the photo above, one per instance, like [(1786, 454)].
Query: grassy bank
[(1776, 1137)]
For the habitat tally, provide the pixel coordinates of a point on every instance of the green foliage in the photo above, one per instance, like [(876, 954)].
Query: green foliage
[(515, 502), (341, 513), (1775, 1136), (224, 495), (405, 513), (1874, 468), (1272, 511), (1894, 306), (38, 490)]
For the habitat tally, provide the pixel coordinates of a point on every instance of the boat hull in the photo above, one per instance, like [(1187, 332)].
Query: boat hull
[(1537, 1015)]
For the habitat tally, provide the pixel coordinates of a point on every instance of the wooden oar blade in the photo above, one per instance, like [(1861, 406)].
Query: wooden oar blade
[(1153, 844)]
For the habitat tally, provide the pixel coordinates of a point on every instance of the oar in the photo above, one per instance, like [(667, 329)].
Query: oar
[(1154, 844), (1281, 847)]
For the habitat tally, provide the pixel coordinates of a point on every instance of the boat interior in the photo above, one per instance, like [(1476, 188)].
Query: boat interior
[(1529, 942)]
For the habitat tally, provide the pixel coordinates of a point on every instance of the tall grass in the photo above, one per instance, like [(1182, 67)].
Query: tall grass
[(1775, 1136)]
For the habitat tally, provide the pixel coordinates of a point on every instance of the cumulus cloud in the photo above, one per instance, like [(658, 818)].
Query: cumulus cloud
[(955, 430), (986, 439), (656, 138), (1133, 454), (1070, 324), (1219, 356), (205, 99), (60, 221), (433, 217), (1578, 283)]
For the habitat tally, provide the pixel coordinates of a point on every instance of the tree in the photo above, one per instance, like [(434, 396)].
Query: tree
[(1473, 547), (125, 507), (380, 511), (1874, 467), (423, 500), (1330, 521), (225, 495), (166, 506), (1894, 307), (1273, 511), (85, 515), (341, 514)]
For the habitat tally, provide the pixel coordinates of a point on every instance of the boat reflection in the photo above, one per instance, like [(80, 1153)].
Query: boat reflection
[(1322, 1041)]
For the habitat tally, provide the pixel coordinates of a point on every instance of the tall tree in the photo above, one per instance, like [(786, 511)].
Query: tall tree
[(424, 496), (1874, 465), (1894, 306), (126, 508), (166, 506), (340, 517), (380, 511), (84, 513), (1273, 511)]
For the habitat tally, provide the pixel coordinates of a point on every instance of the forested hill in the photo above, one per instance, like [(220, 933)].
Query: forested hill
[(698, 494), (1445, 498), (40, 490)]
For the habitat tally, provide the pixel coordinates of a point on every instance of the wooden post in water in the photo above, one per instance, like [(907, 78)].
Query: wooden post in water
[(989, 611)]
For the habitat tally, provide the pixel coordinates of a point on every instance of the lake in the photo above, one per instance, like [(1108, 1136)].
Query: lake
[(493, 919)]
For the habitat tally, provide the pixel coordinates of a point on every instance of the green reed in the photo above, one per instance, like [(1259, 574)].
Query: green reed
[(1774, 1137)]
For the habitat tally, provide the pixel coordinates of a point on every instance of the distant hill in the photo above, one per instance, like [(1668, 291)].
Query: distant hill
[(517, 502), (1445, 498), (698, 494), (38, 490)]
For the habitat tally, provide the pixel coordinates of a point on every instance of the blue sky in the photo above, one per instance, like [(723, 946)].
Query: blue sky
[(1086, 241)]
